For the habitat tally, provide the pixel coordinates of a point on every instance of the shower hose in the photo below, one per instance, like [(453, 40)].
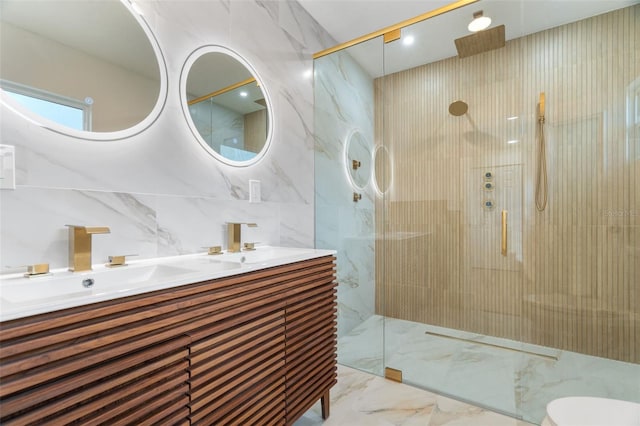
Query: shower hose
[(541, 178)]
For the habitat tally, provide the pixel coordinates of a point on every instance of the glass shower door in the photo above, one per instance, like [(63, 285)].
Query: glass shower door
[(452, 244)]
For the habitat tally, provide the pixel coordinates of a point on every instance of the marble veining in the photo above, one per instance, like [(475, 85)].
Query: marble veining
[(503, 379), (344, 103), (362, 399), (159, 191)]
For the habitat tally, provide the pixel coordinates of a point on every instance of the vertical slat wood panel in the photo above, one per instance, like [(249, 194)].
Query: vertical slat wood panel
[(577, 284)]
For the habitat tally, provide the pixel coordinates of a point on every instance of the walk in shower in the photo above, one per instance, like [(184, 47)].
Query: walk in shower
[(431, 172)]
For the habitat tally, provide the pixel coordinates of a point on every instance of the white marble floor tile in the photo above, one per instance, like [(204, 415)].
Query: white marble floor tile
[(363, 399), (504, 379)]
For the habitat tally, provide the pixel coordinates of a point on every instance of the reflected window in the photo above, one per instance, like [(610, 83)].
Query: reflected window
[(69, 112)]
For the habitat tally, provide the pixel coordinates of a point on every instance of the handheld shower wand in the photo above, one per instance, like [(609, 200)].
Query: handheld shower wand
[(541, 178)]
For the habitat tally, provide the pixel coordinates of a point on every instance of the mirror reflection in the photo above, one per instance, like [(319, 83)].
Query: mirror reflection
[(83, 66), (227, 107), (382, 169), (358, 159)]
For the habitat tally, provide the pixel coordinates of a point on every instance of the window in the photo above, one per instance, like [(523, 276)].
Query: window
[(61, 109)]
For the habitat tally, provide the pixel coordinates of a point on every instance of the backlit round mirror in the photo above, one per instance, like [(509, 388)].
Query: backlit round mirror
[(86, 68), (358, 159), (226, 105)]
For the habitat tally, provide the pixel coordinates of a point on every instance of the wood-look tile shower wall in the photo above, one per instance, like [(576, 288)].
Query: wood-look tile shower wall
[(571, 279)]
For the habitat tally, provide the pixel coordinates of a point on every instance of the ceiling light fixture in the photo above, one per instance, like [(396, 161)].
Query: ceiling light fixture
[(244, 94), (408, 40), (479, 23)]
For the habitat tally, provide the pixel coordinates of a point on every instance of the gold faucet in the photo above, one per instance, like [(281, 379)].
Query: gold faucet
[(233, 229), (80, 246)]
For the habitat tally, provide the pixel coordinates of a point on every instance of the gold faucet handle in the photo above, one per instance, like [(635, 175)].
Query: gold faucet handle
[(213, 249), (92, 229), (249, 246), (120, 260), (37, 269)]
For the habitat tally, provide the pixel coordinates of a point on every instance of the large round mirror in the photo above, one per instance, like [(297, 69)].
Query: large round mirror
[(358, 159), (87, 68), (226, 105)]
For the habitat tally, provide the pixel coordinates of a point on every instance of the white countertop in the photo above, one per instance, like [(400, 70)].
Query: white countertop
[(61, 289)]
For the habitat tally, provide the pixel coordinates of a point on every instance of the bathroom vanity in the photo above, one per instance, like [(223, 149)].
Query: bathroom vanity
[(252, 344)]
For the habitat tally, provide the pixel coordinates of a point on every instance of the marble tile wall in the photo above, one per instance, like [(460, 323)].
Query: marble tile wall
[(571, 276), (344, 104), (159, 191)]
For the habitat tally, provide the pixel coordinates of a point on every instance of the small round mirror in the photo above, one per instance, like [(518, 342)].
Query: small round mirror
[(226, 105), (88, 69), (358, 159), (382, 169)]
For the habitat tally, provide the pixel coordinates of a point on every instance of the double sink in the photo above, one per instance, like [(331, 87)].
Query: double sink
[(20, 296)]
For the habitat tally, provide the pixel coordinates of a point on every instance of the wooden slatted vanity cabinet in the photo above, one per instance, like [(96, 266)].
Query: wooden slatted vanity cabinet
[(258, 348)]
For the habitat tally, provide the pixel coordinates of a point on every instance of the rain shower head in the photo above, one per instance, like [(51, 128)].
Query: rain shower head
[(480, 42), (458, 108)]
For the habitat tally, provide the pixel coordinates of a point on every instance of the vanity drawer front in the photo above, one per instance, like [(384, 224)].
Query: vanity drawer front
[(238, 374), (149, 386)]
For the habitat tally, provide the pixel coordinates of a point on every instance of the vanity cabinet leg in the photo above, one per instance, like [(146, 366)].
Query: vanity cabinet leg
[(324, 404)]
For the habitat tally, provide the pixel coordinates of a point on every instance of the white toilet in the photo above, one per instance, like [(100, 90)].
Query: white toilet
[(590, 411)]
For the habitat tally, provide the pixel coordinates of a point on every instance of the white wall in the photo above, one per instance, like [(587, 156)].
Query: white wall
[(159, 191)]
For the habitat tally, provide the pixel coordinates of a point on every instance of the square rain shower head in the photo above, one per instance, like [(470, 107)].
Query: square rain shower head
[(480, 42)]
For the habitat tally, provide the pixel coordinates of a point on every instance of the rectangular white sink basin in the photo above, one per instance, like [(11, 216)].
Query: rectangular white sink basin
[(20, 296), (70, 285), (265, 254)]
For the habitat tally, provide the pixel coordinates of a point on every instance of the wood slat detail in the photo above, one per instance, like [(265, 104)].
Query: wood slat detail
[(215, 352)]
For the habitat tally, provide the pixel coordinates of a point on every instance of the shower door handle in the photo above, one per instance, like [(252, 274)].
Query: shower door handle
[(504, 233)]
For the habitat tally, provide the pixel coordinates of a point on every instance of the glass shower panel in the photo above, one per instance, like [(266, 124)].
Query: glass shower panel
[(453, 240), (487, 297), (346, 192)]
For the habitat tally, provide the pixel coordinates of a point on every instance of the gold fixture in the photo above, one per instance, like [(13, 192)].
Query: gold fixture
[(393, 374), (37, 269), (542, 184), (249, 246), (356, 164), (458, 108), (479, 22), (221, 91), (503, 249), (121, 260), (356, 197), (480, 42), (393, 35), (80, 245), (439, 11), (213, 250), (233, 231)]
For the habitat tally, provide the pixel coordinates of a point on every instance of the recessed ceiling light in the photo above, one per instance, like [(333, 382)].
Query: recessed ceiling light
[(479, 23), (244, 94), (408, 40)]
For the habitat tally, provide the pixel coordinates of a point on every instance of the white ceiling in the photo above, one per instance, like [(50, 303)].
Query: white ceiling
[(346, 20)]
